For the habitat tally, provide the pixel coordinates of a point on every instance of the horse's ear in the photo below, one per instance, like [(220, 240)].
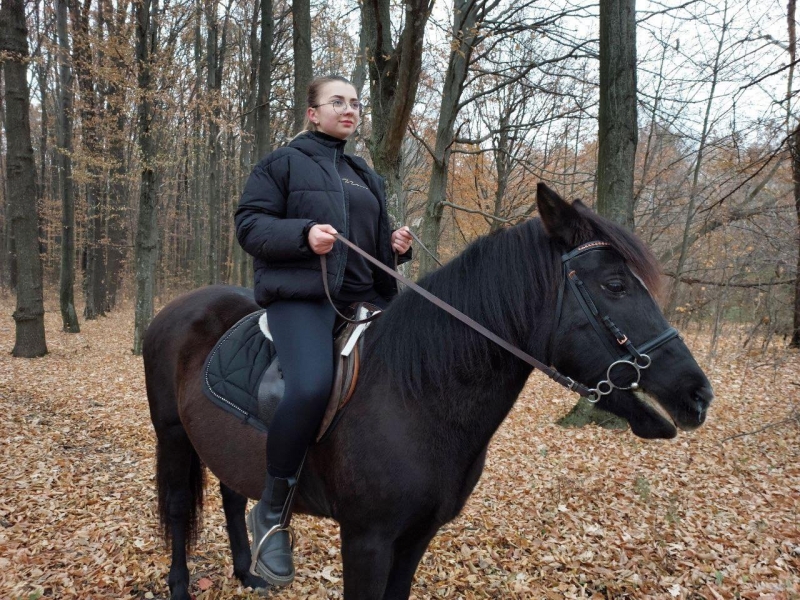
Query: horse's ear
[(562, 221)]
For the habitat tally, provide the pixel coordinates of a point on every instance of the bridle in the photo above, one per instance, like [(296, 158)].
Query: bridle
[(637, 358), (624, 353)]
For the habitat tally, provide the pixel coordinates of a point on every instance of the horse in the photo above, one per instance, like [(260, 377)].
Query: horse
[(410, 446)]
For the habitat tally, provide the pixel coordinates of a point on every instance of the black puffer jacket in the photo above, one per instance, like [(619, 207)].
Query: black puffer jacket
[(290, 190)]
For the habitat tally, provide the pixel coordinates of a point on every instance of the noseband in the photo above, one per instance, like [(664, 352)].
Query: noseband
[(624, 353)]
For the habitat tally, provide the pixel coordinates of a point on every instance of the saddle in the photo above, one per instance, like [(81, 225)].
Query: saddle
[(242, 373)]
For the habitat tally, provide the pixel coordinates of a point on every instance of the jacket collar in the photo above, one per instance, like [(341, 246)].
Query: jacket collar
[(315, 143)]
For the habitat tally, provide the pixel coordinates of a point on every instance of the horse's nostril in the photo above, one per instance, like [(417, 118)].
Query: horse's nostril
[(704, 396)]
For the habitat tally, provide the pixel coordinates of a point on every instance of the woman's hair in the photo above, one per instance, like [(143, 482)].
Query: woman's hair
[(312, 98)]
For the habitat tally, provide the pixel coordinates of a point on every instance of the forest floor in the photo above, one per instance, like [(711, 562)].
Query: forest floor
[(558, 513)]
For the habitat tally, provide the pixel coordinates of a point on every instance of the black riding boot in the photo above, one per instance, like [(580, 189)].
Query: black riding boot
[(268, 522)]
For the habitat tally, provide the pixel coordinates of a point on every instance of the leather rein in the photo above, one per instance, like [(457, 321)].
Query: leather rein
[(635, 358)]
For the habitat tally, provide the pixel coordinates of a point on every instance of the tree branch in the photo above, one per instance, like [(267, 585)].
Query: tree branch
[(692, 281), (793, 416), (476, 211)]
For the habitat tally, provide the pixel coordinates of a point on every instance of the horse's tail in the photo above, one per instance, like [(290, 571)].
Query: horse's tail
[(174, 346), (179, 471), (180, 508)]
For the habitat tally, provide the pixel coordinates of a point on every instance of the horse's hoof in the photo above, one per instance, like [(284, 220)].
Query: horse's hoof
[(180, 593)]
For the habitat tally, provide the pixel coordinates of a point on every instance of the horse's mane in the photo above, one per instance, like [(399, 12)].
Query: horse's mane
[(506, 281)]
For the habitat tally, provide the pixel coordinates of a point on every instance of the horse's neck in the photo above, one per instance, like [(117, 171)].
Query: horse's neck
[(459, 380), (474, 410)]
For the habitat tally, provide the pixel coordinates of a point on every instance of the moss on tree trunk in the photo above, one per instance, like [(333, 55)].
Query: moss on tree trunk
[(585, 413)]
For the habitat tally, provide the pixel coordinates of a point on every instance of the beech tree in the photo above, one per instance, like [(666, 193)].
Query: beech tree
[(794, 147), (146, 232), (21, 179), (69, 317)]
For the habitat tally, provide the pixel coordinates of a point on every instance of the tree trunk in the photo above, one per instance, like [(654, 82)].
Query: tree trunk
[(7, 258), (146, 231), (242, 266), (215, 56), (214, 150), (358, 78), (794, 147), (263, 135), (617, 138), (22, 189), (394, 74), (199, 232), (69, 317), (116, 223), (94, 276), (618, 129), (303, 71), (502, 160), (795, 153), (466, 14)]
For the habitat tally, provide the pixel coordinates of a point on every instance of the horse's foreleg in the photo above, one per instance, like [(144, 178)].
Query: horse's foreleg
[(408, 551), (367, 561), (234, 505)]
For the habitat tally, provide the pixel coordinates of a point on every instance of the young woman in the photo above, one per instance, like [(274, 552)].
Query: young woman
[(295, 200)]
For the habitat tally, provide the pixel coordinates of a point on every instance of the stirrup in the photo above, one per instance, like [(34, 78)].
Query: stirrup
[(257, 551)]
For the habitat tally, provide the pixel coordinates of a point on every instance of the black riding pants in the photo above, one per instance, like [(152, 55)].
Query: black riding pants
[(303, 334)]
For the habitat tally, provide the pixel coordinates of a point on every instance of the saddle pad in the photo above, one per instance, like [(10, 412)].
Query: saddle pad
[(242, 373), (234, 369)]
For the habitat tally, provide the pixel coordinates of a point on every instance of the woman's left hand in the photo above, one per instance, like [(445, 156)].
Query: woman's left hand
[(401, 240)]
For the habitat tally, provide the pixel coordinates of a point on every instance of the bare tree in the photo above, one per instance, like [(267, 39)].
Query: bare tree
[(146, 231), (263, 115), (22, 189), (303, 72), (691, 209), (216, 43), (394, 73), (794, 152), (115, 97), (69, 317), (465, 35), (94, 275)]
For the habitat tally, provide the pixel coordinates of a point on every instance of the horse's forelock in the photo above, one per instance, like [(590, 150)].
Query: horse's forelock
[(639, 257)]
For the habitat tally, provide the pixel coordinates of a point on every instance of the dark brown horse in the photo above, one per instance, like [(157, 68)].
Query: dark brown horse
[(411, 444)]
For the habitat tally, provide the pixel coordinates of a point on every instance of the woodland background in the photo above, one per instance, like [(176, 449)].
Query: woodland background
[(143, 120), (147, 117)]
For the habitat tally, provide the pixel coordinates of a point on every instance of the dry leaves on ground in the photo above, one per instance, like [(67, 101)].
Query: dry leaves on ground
[(558, 513)]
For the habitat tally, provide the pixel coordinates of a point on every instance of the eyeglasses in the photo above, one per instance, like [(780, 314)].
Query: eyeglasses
[(340, 106)]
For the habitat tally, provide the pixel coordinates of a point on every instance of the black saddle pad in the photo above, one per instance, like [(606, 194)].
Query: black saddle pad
[(237, 367)]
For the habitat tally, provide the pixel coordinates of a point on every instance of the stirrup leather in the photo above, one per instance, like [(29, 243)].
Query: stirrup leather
[(273, 530)]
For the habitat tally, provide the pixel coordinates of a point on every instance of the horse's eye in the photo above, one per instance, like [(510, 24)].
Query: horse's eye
[(614, 286)]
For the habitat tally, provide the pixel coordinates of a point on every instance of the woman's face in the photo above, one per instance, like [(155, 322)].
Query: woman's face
[(338, 122)]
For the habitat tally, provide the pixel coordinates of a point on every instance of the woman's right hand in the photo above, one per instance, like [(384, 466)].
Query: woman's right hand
[(321, 238)]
